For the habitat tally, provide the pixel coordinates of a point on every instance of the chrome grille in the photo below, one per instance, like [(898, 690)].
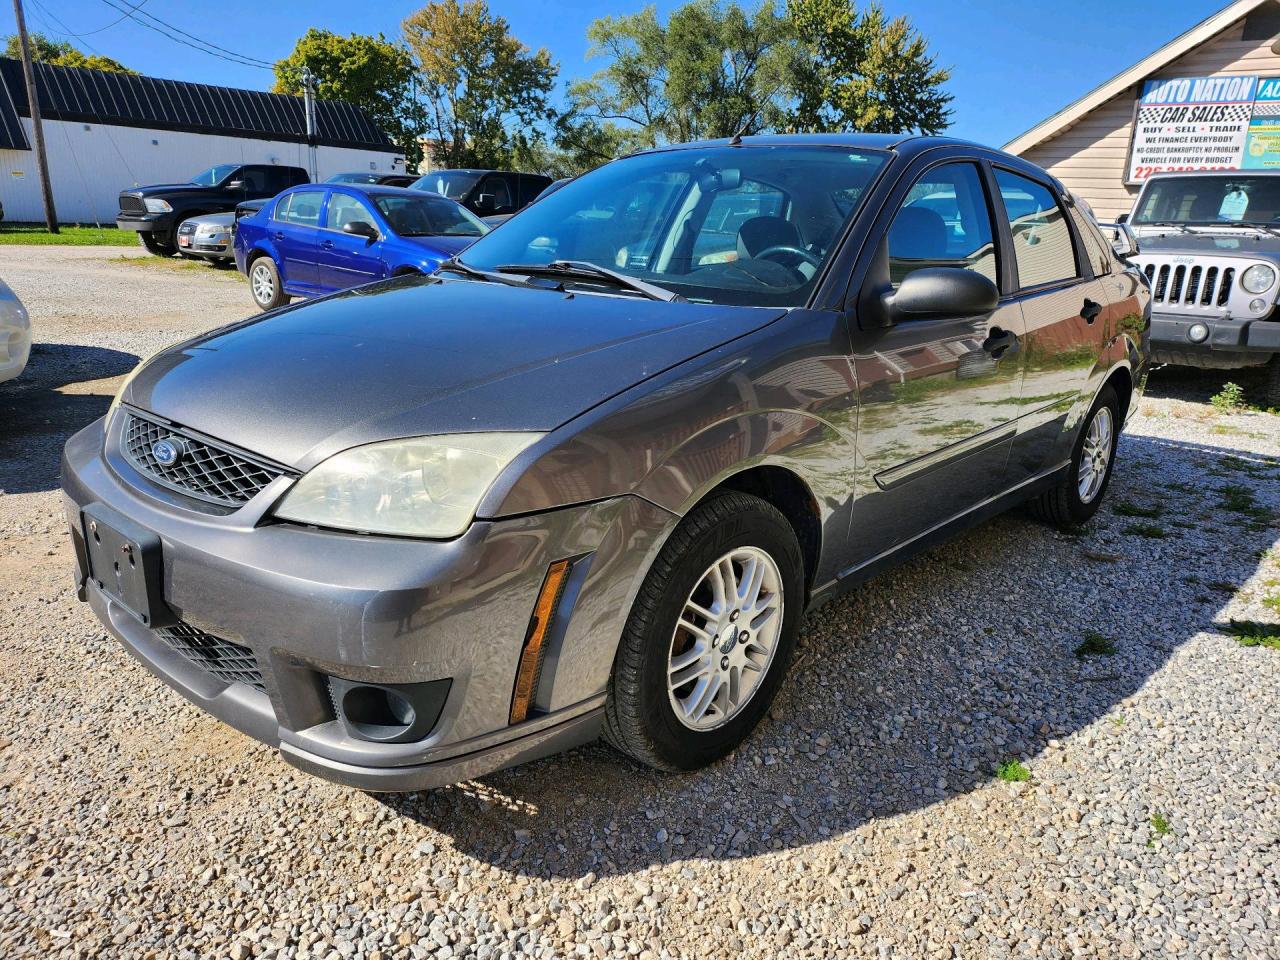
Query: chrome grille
[(131, 204), (1189, 285), (203, 471), (221, 658)]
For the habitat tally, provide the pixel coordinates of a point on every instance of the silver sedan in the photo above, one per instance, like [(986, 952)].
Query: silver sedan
[(15, 334)]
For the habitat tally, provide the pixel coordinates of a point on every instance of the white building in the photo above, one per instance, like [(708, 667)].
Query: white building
[(106, 132)]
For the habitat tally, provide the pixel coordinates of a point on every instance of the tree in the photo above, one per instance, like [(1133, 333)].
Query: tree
[(61, 54), (369, 72), (864, 71), (712, 70), (486, 95)]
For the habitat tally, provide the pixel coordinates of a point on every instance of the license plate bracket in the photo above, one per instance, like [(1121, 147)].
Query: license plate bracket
[(124, 561)]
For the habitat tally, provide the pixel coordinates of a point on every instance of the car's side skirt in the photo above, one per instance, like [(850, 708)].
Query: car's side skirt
[(948, 529)]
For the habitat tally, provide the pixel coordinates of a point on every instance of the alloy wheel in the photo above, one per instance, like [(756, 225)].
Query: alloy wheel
[(1095, 456), (725, 639), (264, 287)]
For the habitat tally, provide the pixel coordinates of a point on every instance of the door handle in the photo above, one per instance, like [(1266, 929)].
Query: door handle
[(1090, 311), (326, 244), (278, 235), (999, 342)]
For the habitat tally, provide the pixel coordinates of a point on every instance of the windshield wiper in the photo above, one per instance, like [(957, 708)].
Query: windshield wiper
[(454, 265), (582, 270)]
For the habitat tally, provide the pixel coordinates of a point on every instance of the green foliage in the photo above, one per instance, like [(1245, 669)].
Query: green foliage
[(1152, 531), (1127, 508), (1230, 397), (1251, 633), (1160, 825), (1013, 771), (370, 72), (486, 96), (68, 235), (711, 70), (1241, 499), (1095, 645), (864, 71), (61, 54)]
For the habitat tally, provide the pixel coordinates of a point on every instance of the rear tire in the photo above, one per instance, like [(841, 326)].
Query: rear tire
[(157, 244), (264, 284), (1078, 495), (658, 709)]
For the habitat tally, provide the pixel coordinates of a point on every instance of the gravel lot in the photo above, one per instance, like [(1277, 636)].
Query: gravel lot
[(863, 818)]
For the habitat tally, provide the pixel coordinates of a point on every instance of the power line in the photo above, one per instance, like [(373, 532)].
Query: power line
[(204, 46), (89, 33)]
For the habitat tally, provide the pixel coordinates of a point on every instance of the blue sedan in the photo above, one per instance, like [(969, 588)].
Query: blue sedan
[(318, 238)]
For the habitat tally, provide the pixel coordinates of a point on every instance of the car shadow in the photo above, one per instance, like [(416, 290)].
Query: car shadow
[(64, 388), (905, 693), (1198, 386)]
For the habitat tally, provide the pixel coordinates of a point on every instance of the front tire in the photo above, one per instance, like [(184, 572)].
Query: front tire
[(710, 635), (264, 284), (157, 244), (1271, 386), (1078, 495)]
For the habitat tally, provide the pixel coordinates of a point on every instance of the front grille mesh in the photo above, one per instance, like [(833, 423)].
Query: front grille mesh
[(221, 658), (204, 471), (130, 204)]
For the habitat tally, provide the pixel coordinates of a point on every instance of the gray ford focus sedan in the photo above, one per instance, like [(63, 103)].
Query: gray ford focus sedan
[(588, 478)]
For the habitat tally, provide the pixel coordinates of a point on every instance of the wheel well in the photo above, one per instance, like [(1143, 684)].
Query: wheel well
[(1121, 380), (405, 271), (786, 491)]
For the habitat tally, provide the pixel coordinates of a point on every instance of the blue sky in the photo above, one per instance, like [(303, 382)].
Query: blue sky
[(1013, 63)]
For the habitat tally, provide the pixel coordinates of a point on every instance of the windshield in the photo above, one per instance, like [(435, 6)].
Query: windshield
[(453, 184), (735, 225), (214, 175), (430, 217), (1238, 198), (368, 178)]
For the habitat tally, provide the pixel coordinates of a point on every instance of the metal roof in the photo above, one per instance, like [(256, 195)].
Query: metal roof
[(81, 95)]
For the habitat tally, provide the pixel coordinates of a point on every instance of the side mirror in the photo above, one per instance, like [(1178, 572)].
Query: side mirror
[(235, 185), (361, 228), (1123, 240), (935, 293), (1123, 218), (486, 203)]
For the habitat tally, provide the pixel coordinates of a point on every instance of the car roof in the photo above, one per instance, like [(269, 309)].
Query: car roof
[(370, 189)]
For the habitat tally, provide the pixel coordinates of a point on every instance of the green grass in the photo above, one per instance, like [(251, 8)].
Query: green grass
[(1160, 826), (1127, 508), (1152, 531), (1241, 499), (1095, 645), (72, 235), (1251, 633), (1230, 397), (173, 263), (1013, 771)]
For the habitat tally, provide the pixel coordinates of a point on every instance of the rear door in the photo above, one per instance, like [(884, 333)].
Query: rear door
[(295, 231), (348, 260), (1064, 307), (938, 398)]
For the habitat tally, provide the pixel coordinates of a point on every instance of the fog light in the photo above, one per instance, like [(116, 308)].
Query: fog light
[(388, 712), (1257, 305), (1198, 333)]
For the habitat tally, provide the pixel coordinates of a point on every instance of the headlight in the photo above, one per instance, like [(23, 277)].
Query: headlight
[(423, 487), (157, 206), (1258, 278)]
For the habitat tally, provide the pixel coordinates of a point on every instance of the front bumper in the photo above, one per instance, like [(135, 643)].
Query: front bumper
[(145, 222), (312, 605), (1231, 342)]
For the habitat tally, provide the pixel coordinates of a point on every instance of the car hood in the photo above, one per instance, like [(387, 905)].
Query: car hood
[(166, 189), (1227, 243), (417, 356), (445, 245)]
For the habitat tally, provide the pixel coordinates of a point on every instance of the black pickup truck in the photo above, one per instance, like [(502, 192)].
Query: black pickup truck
[(155, 212)]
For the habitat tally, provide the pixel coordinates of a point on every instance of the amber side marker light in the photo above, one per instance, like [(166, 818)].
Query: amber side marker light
[(531, 656)]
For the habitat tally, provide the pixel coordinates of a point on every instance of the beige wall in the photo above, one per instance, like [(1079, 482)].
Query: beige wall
[(1089, 157)]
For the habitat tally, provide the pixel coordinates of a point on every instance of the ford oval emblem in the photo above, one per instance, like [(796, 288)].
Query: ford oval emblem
[(166, 452)]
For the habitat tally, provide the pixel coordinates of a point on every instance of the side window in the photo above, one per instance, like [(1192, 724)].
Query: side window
[(1099, 250), (344, 209), (744, 222), (497, 186), (945, 221), (276, 179), (1041, 238), (254, 179), (303, 208)]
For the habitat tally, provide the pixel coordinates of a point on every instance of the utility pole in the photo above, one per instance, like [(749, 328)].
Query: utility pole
[(37, 129), (309, 107)]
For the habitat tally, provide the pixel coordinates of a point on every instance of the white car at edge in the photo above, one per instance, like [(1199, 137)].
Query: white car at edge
[(15, 334)]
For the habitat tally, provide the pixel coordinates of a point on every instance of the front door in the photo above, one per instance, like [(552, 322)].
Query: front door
[(938, 398), (296, 234), (1066, 309), (346, 259)]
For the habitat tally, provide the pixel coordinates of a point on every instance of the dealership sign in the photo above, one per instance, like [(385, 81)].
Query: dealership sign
[(1192, 123)]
